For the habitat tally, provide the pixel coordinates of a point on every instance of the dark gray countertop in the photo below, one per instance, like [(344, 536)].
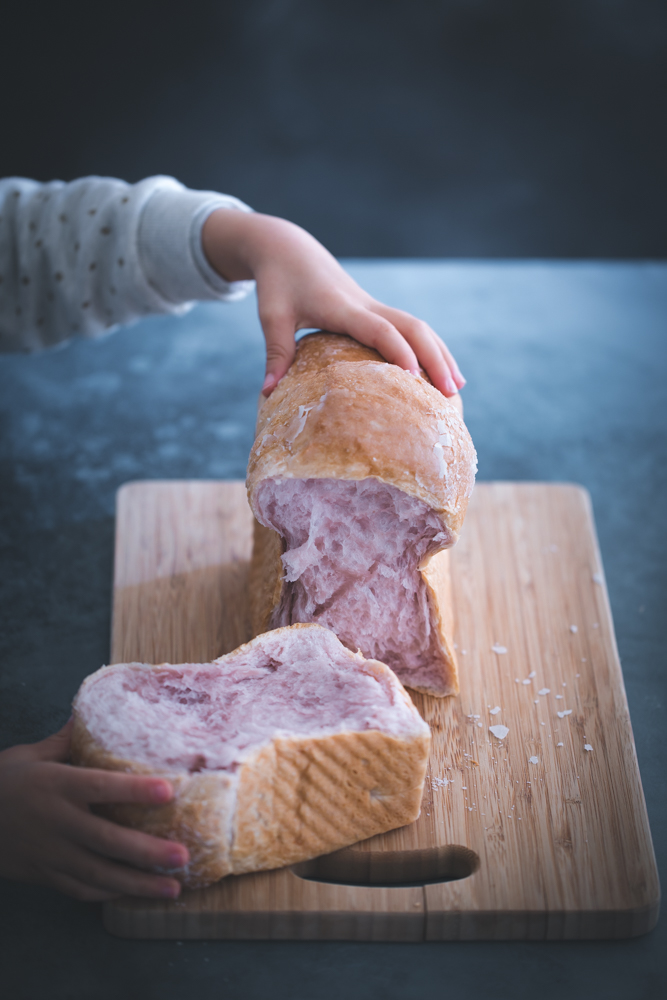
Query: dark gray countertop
[(567, 380)]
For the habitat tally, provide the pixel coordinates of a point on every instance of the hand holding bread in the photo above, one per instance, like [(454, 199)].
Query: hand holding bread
[(49, 835), (301, 285)]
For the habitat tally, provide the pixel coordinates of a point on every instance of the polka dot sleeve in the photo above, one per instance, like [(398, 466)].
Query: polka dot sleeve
[(84, 257)]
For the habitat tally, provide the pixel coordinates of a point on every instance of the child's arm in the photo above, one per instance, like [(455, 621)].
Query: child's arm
[(49, 835), (82, 258), (300, 285)]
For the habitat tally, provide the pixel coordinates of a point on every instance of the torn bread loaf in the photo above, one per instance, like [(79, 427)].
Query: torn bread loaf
[(359, 479), (287, 748)]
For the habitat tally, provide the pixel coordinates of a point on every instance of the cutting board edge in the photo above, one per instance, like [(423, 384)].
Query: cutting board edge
[(426, 926)]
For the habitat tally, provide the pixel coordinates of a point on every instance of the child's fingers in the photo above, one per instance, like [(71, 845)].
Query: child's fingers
[(100, 874), (376, 331), (431, 358), (124, 844), (433, 355), (89, 785), (422, 337), (279, 328)]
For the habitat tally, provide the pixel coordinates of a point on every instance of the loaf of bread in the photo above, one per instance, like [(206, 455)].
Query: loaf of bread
[(290, 747), (359, 479)]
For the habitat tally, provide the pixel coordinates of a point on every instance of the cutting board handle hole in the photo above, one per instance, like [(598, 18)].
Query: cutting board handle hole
[(390, 869)]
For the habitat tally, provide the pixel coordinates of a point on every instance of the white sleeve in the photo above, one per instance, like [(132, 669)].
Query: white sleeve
[(84, 257)]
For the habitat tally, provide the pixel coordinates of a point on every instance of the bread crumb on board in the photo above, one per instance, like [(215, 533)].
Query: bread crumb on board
[(500, 732)]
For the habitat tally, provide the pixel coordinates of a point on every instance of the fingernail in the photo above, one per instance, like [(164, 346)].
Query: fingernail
[(269, 383), (176, 859), (451, 386), (161, 791), (170, 891), (415, 372)]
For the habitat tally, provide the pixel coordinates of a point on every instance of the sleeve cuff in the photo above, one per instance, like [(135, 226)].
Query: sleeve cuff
[(170, 249)]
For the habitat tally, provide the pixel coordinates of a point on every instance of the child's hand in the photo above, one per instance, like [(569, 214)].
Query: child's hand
[(49, 835), (300, 285)]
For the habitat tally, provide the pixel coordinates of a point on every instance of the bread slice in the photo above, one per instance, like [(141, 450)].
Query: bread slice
[(287, 748), (359, 479)]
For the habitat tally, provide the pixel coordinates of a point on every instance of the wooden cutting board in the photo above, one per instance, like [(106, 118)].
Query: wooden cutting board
[(540, 835)]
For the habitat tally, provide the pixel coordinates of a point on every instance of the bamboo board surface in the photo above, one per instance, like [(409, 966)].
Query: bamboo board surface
[(541, 835)]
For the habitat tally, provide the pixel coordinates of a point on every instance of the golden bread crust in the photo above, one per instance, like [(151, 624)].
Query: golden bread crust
[(301, 798), (366, 419)]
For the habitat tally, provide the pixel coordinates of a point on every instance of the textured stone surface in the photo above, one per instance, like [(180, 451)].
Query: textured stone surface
[(567, 370)]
